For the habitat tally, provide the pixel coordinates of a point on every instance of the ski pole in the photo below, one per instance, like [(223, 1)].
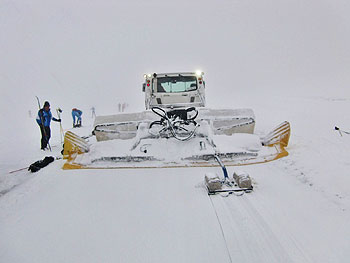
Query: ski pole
[(58, 110), (42, 122), (340, 131)]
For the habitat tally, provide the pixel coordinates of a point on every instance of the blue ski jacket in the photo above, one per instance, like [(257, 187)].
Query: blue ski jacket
[(77, 112), (45, 116)]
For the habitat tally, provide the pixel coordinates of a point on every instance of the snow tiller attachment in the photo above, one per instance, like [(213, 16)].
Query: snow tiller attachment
[(178, 138), (239, 184)]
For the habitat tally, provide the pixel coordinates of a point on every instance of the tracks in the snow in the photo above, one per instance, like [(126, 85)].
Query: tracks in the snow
[(248, 236)]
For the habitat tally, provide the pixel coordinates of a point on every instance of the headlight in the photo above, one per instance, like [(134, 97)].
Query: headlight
[(199, 73)]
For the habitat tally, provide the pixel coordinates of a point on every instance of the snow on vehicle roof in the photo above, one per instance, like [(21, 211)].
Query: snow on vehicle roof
[(173, 74)]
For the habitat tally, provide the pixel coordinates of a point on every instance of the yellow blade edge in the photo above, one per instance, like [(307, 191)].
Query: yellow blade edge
[(73, 145), (278, 138)]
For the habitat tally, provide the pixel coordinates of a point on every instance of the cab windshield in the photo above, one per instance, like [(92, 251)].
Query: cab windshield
[(176, 84)]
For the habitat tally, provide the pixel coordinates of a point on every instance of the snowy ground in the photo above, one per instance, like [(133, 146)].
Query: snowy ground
[(299, 210)]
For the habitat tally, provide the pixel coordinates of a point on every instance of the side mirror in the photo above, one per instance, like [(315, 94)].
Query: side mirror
[(143, 87)]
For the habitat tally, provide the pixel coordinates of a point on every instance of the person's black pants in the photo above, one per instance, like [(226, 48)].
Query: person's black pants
[(45, 136)]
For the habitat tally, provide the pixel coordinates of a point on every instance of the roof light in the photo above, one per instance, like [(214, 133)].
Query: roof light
[(199, 73)]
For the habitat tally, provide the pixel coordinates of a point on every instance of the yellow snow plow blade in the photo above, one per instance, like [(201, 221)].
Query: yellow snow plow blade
[(278, 138), (279, 135), (76, 151), (73, 145)]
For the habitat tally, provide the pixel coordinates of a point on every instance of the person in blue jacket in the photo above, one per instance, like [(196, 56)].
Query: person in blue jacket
[(44, 119), (76, 114)]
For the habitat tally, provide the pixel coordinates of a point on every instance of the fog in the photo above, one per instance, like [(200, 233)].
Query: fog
[(94, 53)]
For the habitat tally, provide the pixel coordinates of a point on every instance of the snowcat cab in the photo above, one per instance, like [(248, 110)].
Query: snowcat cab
[(174, 90)]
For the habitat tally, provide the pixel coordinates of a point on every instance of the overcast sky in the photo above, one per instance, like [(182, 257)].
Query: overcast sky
[(94, 53)]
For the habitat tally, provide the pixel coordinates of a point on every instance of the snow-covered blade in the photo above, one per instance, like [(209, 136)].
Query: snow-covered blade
[(200, 151), (124, 125)]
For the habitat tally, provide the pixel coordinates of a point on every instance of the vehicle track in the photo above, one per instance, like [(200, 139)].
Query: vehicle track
[(249, 237)]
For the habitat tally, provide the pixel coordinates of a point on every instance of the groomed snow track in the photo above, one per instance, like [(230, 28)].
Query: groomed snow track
[(165, 215)]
